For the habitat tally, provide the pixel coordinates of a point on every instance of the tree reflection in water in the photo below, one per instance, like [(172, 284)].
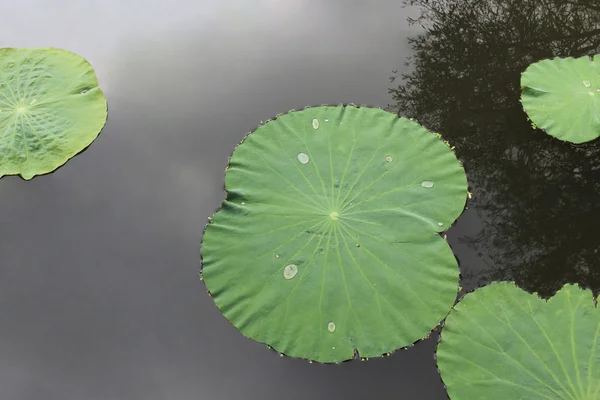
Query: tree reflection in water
[(538, 198)]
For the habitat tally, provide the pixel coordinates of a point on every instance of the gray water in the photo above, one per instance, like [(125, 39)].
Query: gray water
[(99, 291)]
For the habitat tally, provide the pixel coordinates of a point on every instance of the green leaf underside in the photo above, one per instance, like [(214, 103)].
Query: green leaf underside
[(355, 220), (50, 109), (562, 97), (501, 342)]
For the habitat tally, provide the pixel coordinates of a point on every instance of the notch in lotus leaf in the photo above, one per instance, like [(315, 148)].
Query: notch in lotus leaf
[(500, 342), (562, 97), (328, 243), (50, 109)]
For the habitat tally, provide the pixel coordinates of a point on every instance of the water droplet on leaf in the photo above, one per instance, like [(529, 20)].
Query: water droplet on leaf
[(331, 326), (427, 184), (315, 123), (303, 158), (586, 83), (389, 159), (290, 271), (440, 223)]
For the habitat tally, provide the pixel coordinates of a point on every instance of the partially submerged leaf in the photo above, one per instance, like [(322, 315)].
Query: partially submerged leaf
[(50, 109), (500, 342), (328, 241), (562, 97)]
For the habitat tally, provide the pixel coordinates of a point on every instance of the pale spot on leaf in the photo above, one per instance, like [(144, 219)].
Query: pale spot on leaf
[(303, 158), (290, 271)]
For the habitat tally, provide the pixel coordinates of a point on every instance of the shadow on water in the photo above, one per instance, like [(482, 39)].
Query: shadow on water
[(538, 198)]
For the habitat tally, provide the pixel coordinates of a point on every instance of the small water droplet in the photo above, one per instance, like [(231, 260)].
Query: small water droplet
[(331, 326), (243, 203), (333, 348), (357, 245), (276, 255), (587, 83), (326, 120), (315, 123), (427, 184), (303, 158), (389, 159), (32, 102), (440, 223), (290, 271)]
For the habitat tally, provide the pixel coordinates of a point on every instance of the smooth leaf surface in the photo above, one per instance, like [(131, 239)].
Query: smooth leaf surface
[(562, 96), (328, 241), (50, 109), (500, 342)]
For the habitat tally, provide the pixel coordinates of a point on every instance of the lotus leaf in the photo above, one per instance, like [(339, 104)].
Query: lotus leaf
[(328, 243), (50, 109), (562, 97), (500, 342)]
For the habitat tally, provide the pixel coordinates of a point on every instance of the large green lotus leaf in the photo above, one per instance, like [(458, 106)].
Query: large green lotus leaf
[(562, 96), (500, 342), (50, 109), (328, 241)]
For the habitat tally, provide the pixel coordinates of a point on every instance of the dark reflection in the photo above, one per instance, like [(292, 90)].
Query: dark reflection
[(538, 198)]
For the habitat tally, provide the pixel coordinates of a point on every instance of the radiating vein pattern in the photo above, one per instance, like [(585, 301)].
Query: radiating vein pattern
[(562, 96), (50, 109), (327, 242), (501, 342)]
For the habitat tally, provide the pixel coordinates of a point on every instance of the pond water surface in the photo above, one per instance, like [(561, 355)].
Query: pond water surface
[(99, 290)]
